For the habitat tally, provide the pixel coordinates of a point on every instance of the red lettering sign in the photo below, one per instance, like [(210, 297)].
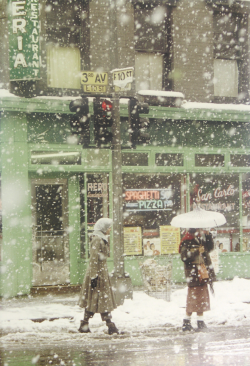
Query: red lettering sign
[(142, 195)]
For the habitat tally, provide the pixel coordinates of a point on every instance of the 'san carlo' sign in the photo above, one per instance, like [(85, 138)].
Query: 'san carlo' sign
[(24, 59), (149, 199)]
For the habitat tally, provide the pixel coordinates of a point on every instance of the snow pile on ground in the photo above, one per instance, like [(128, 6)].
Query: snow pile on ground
[(229, 306)]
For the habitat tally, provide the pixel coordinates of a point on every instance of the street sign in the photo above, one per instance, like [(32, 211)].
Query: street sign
[(123, 78), (94, 82), (94, 88)]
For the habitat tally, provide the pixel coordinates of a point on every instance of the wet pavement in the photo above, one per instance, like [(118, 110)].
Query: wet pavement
[(157, 347)]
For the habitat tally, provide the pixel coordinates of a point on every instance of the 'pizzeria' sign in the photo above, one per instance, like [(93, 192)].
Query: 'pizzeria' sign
[(24, 39)]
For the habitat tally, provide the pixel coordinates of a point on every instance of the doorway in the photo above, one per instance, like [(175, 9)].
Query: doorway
[(50, 244)]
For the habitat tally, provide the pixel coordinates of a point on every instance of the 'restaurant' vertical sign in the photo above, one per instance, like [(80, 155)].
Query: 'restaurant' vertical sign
[(24, 59)]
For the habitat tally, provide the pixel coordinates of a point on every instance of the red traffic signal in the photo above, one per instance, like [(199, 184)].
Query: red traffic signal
[(107, 106)]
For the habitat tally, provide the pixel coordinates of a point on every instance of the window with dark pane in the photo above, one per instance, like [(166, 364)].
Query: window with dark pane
[(153, 41), (151, 22), (230, 52), (240, 160), (135, 159), (209, 160), (66, 36), (49, 208), (169, 159)]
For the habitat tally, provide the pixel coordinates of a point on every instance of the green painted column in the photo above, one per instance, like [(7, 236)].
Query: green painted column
[(16, 274), (240, 206), (74, 228)]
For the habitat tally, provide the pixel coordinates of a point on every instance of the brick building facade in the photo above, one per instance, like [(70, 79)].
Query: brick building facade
[(174, 38)]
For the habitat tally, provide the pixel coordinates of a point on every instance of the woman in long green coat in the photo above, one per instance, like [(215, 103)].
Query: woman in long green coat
[(96, 294)]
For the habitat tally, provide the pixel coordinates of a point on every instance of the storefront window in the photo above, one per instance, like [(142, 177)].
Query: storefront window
[(246, 212), (150, 203), (219, 193), (49, 208), (82, 216), (97, 187)]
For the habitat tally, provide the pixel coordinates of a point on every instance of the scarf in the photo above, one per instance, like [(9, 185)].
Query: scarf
[(187, 236)]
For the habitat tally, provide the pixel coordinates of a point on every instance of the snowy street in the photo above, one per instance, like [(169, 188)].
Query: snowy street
[(223, 346), (151, 327)]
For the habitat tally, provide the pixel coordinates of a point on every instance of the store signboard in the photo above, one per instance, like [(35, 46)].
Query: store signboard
[(132, 240), (170, 239), (218, 199), (97, 190), (149, 199), (24, 57), (217, 193)]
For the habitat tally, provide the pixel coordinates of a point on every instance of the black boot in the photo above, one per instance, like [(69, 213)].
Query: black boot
[(112, 328), (187, 325), (84, 327), (201, 325)]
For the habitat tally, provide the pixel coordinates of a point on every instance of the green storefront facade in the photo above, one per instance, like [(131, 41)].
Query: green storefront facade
[(53, 190)]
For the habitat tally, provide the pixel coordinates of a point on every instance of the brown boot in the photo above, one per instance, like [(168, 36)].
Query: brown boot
[(201, 325), (84, 327), (112, 328)]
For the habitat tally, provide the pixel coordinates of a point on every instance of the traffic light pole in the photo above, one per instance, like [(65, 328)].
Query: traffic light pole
[(120, 280), (117, 190)]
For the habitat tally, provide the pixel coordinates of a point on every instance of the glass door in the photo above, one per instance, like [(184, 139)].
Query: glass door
[(50, 248)]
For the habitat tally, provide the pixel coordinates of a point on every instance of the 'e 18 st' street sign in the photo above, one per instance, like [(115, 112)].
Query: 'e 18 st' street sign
[(24, 39)]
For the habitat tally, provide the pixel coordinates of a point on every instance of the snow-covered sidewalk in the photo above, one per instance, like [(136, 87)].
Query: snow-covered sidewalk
[(230, 306)]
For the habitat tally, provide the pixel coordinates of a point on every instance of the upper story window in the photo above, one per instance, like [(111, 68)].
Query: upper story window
[(152, 45), (65, 51), (148, 71), (63, 67), (230, 54)]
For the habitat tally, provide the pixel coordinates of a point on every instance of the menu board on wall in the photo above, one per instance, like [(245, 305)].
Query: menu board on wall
[(170, 239), (132, 240)]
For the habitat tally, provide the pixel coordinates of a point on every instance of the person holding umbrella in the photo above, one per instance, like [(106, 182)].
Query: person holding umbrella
[(194, 252), (198, 267)]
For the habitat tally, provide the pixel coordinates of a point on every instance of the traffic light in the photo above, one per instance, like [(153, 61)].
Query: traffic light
[(138, 125), (102, 121), (80, 121)]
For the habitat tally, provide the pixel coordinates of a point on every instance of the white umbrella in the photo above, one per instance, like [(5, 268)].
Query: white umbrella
[(199, 218)]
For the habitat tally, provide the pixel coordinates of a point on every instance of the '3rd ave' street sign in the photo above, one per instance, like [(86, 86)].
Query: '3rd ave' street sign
[(24, 39)]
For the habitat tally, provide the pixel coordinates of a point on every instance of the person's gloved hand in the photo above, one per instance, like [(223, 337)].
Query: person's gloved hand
[(94, 282)]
